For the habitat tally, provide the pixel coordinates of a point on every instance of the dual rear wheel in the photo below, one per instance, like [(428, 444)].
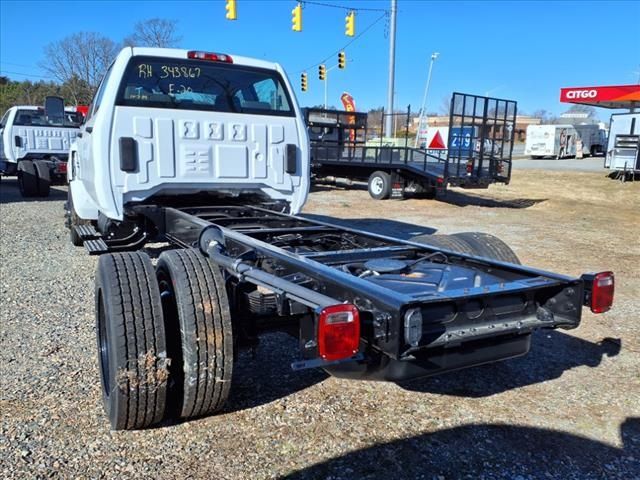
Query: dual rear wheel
[(165, 338), (34, 178)]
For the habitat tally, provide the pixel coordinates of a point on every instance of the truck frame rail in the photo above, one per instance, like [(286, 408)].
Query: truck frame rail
[(431, 298)]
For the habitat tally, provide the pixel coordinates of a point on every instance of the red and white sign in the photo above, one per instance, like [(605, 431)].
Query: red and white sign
[(617, 96)]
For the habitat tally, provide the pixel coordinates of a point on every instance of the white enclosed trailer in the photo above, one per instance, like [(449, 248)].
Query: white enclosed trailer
[(560, 141), (551, 141)]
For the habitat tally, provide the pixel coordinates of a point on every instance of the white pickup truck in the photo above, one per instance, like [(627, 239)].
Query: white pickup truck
[(36, 143), (165, 123), (209, 154)]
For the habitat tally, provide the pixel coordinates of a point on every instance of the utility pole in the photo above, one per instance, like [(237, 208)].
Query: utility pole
[(434, 55), (388, 124)]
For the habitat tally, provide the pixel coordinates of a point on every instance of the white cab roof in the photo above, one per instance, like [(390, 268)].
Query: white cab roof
[(180, 53)]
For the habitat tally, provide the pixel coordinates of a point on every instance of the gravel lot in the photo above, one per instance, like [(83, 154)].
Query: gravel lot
[(569, 409)]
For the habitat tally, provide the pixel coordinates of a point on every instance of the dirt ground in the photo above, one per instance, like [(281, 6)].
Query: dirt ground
[(569, 409)]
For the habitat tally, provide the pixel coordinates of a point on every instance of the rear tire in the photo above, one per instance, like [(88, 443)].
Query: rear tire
[(448, 242), (379, 185), (197, 313), (489, 246), (472, 243), (27, 179), (132, 348), (44, 178)]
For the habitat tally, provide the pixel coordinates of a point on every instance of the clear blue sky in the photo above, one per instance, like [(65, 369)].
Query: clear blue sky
[(518, 50)]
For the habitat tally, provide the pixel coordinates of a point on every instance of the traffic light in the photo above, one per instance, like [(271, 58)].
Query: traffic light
[(296, 20), (303, 82), (350, 27), (342, 60), (322, 72), (232, 14)]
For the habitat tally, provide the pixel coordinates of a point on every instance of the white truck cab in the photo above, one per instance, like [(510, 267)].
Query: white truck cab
[(167, 123)]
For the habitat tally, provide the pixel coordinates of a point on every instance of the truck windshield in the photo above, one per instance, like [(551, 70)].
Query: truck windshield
[(37, 118), (203, 85)]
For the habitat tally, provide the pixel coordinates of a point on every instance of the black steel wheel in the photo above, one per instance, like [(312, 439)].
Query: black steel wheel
[(197, 315), (132, 353), (380, 185)]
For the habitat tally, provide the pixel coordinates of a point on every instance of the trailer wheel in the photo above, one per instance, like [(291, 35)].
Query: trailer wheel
[(380, 185), (44, 178), (198, 316), (27, 179), (132, 351), (489, 246)]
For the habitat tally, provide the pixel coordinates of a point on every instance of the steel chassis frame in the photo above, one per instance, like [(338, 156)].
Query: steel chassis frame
[(257, 245)]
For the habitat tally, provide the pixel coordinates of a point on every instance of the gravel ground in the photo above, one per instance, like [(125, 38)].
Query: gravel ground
[(569, 409)]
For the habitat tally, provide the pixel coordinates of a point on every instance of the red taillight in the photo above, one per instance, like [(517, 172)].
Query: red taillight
[(338, 332), (214, 57), (61, 167), (602, 292)]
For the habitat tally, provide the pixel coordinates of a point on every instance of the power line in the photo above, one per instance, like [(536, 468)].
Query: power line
[(347, 44), (25, 74), (341, 7)]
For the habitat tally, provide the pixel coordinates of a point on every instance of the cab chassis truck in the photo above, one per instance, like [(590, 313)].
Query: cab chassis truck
[(362, 305)]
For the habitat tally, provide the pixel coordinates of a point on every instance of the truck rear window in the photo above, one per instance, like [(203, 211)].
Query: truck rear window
[(37, 118), (203, 85)]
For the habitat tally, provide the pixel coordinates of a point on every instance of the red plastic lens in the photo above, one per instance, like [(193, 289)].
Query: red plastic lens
[(602, 292), (338, 332), (215, 57)]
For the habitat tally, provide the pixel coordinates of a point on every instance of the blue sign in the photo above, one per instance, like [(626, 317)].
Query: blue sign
[(460, 141)]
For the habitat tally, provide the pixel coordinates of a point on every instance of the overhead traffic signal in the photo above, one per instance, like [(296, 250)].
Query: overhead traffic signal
[(232, 14), (322, 72), (303, 82), (342, 60), (296, 20), (350, 24)]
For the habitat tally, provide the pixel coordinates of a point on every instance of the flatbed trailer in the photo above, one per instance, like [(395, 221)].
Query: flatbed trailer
[(479, 150)]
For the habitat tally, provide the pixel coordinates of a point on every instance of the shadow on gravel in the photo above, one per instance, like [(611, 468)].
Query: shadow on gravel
[(381, 226), (453, 197), (9, 193), (268, 376), (551, 354), (488, 451), (463, 199)]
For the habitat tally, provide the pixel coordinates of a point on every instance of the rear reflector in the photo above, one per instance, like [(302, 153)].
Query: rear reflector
[(602, 292), (338, 332), (214, 57)]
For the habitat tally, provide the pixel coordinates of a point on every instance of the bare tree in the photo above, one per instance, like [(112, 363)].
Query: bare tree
[(80, 60), (154, 32)]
